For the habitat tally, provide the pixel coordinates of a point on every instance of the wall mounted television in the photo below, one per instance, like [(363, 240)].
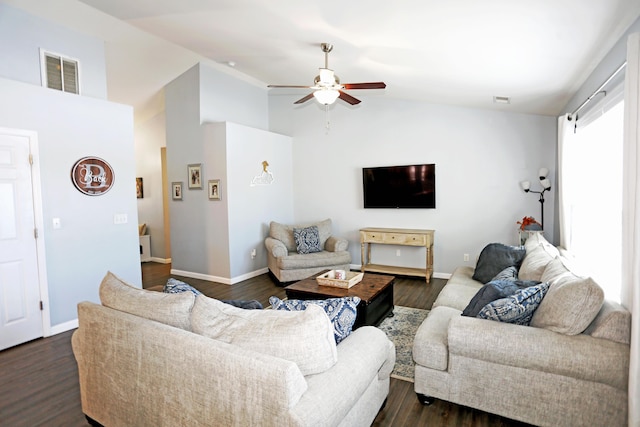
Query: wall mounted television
[(398, 187)]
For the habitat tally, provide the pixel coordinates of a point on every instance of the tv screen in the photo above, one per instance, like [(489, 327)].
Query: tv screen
[(412, 186)]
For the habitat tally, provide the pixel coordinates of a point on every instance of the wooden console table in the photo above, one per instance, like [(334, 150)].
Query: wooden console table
[(397, 236)]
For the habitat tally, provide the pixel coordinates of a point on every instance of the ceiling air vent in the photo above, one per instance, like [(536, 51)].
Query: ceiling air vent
[(60, 73)]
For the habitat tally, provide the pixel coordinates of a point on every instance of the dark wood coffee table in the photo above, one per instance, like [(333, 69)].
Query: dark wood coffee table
[(375, 292)]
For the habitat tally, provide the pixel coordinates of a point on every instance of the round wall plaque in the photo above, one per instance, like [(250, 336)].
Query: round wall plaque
[(92, 176)]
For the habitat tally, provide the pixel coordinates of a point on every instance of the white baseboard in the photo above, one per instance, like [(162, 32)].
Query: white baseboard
[(159, 260), (63, 327), (218, 279)]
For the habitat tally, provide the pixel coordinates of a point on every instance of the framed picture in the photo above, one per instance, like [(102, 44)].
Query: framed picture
[(139, 189), (194, 174), (214, 189), (176, 190)]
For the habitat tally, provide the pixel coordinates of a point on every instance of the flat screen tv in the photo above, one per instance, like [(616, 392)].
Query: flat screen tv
[(411, 186)]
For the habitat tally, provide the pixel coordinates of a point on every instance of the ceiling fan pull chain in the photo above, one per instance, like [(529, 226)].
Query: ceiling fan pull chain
[(328, 124)]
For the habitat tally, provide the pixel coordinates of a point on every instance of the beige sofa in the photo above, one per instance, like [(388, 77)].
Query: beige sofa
[(568, 368), (152, 359), (287, 264)]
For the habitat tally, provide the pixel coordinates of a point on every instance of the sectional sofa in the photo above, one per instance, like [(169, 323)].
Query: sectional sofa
[(149, 358), (569, 367)]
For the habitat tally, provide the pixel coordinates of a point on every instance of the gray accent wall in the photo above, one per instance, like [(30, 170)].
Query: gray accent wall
[(211, 239)]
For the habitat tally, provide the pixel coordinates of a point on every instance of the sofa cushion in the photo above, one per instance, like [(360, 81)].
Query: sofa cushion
[(303, 337), (494, 258), (170, 309), (539, 253), (284, 233), (307, 240), (492, 291), (613, 323), (175, 286), (296, 261), (571, 303), (341, 311), (517, 308)]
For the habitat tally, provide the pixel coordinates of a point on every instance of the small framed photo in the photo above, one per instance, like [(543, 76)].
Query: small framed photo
[(139, 188), (214, 189), (194, 173), (176, 190)]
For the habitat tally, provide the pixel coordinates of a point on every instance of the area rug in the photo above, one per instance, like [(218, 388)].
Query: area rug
[(401, 328)]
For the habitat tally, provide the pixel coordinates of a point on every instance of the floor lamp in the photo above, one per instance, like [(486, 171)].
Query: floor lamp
[(546, 186)]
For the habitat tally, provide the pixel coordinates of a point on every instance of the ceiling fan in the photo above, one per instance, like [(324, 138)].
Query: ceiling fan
[(327, 86)]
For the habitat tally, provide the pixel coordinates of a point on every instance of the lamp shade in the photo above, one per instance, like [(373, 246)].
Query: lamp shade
[(526, 185), (542, 173), (546, 184), (326, 96)]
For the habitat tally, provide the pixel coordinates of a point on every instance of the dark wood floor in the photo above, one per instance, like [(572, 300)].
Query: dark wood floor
[(39, 380)]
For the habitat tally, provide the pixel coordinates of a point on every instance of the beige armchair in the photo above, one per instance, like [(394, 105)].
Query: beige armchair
[(295, 252)]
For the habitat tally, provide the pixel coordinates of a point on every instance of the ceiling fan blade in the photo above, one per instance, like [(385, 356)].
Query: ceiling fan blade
[(371, 85), (305, 99), (348, 98), (290, 86)]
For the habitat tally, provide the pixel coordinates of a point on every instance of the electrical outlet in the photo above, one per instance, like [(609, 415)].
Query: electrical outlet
[(466, 257), (253, 253), (398, 252)]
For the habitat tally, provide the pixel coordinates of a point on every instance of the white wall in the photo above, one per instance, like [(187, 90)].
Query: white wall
[(70, 127), (253, 207), (150, 137), (88, 245), (21, 37), (480, 156)]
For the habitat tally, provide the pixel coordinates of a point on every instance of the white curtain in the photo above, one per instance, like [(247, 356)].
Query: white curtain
[(631, 219), (565, 133)]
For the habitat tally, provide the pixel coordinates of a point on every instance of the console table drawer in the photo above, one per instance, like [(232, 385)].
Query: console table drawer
[(406, 239), (372, 237), (395, 238)]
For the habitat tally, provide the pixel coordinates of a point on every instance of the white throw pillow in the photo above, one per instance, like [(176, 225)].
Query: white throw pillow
[(539, 253), (303, 337)]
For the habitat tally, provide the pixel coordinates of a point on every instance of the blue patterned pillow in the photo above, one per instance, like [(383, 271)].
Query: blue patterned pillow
[(175, 286), (517, 308), (341, 311), (307, 239)]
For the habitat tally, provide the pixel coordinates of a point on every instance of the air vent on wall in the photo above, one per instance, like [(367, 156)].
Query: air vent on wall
[(59, 72)]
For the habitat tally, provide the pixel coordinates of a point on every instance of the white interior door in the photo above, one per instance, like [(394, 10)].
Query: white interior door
[(20, 307)]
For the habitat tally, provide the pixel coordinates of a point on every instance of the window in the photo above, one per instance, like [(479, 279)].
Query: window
[(59, 72), (593, 189)]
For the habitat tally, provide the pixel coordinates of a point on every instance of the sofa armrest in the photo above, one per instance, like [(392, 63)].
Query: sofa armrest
[(365, 355), (578, 356), (336, 244), (275, 247)]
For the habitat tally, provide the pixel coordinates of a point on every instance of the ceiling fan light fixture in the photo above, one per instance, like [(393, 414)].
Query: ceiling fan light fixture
[(327, 77), (326, 96)]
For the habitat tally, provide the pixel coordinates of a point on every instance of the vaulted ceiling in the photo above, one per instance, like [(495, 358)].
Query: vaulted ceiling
[(458, 52)]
